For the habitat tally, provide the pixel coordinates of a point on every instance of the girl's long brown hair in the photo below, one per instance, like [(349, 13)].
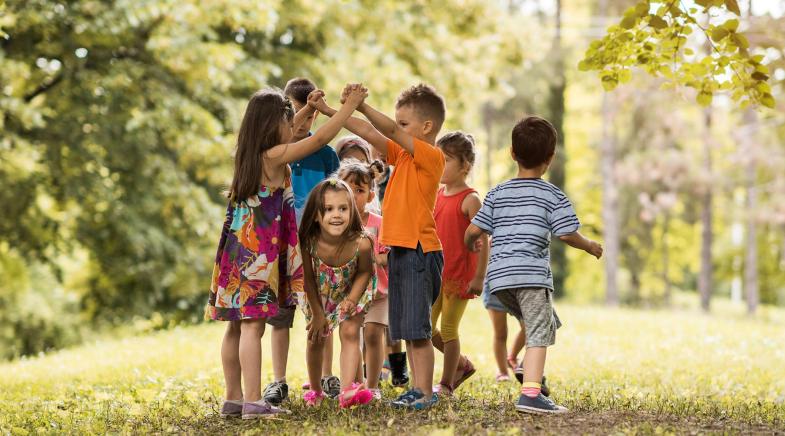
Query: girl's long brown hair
[(259, 131), (310, 229)]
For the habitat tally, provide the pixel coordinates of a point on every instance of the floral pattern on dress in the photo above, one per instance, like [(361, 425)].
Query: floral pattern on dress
[(258, 266), (334, 283)]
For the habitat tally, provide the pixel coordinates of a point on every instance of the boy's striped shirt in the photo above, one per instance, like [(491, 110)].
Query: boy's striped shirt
[(521, 215)]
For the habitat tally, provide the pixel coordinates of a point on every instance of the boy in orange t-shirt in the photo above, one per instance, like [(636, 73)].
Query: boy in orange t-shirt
[(415, 261)]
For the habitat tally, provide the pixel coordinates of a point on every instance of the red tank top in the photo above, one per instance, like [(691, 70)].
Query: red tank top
[(460, 264)]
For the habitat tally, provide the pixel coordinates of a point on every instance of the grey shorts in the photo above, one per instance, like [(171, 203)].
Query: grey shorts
[(284, 317), (534, 308), (414, 282)]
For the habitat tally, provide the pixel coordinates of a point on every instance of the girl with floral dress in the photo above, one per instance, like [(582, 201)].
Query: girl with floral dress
[(340, 281), (258, 265)]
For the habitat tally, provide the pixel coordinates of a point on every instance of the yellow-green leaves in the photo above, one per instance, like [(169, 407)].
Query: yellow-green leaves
[(657, 43)]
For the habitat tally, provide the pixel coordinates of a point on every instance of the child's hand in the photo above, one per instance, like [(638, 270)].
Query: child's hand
[(316, 327), (477, 246), (475, 286), (315, 98), (595, 249), (381, 259), (347, 307), (356, 94)]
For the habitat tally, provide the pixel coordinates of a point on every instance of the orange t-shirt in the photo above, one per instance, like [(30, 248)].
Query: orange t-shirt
[(411, 196)]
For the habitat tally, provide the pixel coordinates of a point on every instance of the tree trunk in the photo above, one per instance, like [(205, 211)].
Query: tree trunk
[(557, 170), (751, 245), (707, 234)]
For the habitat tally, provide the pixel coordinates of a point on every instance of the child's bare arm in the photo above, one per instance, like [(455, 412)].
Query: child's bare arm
[(577, 240), (472, 234), (470, 206), (359, 127), (286, 153), (361, 277), (306, 111), (318, 321), (387, 127)]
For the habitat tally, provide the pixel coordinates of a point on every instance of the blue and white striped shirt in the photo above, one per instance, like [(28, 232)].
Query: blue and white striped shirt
[(520, 215)]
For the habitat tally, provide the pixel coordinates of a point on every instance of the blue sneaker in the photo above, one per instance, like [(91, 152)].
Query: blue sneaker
[(414, 399), (538, 404)]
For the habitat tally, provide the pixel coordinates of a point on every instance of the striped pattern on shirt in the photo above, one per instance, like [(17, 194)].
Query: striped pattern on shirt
[(520, 215)]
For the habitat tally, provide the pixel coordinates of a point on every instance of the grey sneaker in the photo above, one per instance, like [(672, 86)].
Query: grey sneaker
[(331, 386), (261, 409), (276, 393), (539, 404), (232, 409)]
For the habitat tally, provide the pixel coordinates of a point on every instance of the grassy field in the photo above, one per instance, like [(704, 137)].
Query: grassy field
[(622, 370)]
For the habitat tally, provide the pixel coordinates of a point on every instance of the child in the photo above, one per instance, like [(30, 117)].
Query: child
[(498, 314), (340, 282), (415, 260), (464, 272), (521, 214), (360, 177), (258, 264), (353, 147), (306, 173)]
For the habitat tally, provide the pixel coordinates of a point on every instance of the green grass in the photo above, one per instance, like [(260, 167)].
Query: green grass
[(622, 370)]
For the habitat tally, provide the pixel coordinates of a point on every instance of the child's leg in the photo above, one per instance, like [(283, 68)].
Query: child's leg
[(499, 322), (327, 359), (452, 312), (230, 359), (251, 331), (359, 376), (436, 310), (534, 364), (314, 352), (519, 342), (422, 360), (349, 331), (374, 352), (279, 347)]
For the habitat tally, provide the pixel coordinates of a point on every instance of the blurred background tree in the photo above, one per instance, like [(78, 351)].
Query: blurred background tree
[(118, 123)]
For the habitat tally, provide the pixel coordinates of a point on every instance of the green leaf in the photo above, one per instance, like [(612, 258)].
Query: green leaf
[(628, 22), (688, 51), (718, 33), (731, 25), (657, 22), (741, 40), (609, 83), (733, 6), (760, 76), (704, 98), (767, 100)]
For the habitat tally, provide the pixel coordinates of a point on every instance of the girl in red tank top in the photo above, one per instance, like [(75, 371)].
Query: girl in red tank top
[(464, 270)]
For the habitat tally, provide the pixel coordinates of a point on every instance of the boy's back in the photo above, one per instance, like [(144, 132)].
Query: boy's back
[(520, 215)]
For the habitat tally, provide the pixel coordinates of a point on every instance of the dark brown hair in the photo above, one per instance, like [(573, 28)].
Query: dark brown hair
[(259, 131), (349, 143), (428, 105), (459, 145), (360, 173), (310, 230), (533, 141), (298, 89)]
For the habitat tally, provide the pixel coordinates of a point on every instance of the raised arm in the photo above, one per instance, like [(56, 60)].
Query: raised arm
[(388, 127), (359, 127), (305, 112), (577, 240), (286, 153)]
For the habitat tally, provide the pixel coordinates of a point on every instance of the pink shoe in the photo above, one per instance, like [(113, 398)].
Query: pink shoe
[(356, 395), (306, 386), (502, 378), (313, 398), (467, 371), (443, 390)]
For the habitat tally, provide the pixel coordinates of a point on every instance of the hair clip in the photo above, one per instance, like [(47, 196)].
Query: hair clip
[(333, 181)]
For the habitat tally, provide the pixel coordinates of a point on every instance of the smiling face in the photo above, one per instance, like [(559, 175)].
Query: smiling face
[(334, 220), (410, 122)]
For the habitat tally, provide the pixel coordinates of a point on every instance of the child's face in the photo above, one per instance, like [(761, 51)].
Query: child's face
[(454, 170), (302, 132), (362, 195), (337, 213), (408, 120), (356, 154)]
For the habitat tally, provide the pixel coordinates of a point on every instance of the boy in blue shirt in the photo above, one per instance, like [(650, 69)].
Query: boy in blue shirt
[(521, 215)]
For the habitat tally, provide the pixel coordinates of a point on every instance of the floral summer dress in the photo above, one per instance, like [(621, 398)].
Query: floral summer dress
[(258, 267), (334, 283)]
